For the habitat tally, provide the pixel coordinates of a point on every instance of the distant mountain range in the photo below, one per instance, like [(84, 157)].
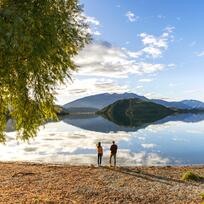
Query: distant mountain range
[(100, 101), (185, 104)]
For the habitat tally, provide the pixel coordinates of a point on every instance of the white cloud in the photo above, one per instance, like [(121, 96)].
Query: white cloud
[(139, 87), (172, 65), (131, 16), (145, 80), (134, 54), (153, 51), (103, 59), (169, 29), (154, 46), (111, 63), (200, 54), (93, 31), (96, 32), (142, 158), (92, 20), (93, 24), (153, 95), (150, 40), (149, 68), (148, 146), (84, 87)]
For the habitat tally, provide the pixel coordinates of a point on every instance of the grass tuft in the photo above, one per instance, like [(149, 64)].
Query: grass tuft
[(190, 176), (202, 196)]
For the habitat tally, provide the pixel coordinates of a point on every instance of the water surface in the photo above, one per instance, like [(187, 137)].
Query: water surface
[(174, 140)]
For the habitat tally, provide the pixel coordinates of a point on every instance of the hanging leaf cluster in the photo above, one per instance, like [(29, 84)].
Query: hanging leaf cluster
[(38, 40)]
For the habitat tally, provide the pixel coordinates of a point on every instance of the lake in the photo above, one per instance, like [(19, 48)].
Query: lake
[(174, 140)]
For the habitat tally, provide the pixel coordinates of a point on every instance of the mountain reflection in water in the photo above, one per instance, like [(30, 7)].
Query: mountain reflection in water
[(100, 124), (174, 140)]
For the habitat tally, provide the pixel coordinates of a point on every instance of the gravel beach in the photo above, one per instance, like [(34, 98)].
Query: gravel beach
[(46, 183)]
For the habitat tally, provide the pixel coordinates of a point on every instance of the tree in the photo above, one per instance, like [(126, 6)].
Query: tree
[(38, 40)]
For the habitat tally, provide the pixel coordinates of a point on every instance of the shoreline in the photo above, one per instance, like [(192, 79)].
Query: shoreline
[(31, 182), (67, 164)]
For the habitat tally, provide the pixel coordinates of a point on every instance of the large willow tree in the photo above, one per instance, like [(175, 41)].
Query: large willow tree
[(38, 39)]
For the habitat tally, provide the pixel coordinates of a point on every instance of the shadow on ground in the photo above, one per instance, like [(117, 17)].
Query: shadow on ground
[(149, 177)]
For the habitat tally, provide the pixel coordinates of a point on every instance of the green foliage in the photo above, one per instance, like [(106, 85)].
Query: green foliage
[(134, 112), (190, 176), (38, 40), (202, 195)]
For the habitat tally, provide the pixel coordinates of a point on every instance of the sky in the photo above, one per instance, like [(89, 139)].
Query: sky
[(153, 48)]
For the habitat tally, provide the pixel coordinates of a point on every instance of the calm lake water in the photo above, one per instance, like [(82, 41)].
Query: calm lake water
[(175, 140)]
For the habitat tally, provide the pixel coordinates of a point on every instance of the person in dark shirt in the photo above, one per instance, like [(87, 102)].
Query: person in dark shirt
[(113, 152)]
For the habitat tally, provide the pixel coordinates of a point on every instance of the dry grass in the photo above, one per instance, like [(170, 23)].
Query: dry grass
[(190, 176), (36, 183)]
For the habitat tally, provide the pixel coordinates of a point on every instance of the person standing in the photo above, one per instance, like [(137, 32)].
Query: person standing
[(113, 152), (100, 153)]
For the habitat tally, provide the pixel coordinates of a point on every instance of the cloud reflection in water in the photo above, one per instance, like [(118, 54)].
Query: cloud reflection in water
[(169, 143)]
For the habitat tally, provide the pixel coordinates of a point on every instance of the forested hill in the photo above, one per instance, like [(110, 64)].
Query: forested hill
[(134, 112)]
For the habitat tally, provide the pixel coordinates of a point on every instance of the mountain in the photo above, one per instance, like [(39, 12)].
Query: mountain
[(134, 112), (193, 104), (100, 101), (185, 104), (61, 110), (173, 104), (81, 110)]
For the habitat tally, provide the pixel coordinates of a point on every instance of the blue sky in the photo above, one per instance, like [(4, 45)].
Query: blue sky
[(150, 47)]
